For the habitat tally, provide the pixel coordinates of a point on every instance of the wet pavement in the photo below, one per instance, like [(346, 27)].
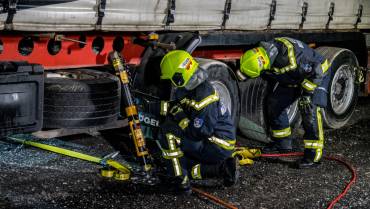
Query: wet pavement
[(31, 178)]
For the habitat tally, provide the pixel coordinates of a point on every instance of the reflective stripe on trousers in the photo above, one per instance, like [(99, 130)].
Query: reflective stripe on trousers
[(282, 133), (173, 153), (317, 145)]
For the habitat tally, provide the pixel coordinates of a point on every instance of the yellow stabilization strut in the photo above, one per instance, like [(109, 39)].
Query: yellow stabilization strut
[(111, 168)]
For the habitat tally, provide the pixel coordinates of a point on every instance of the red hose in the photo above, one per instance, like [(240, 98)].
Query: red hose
[(349, 184), (332, 203), (333, 158), (214, 199)]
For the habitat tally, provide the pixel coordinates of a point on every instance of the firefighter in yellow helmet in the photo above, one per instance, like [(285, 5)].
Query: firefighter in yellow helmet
[(198, 136), (298, 72)]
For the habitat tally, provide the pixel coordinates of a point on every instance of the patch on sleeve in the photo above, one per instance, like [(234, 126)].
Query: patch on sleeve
[(198, 122)]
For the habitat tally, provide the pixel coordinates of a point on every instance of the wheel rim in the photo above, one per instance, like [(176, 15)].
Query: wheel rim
[(224, 94), (342, 89)]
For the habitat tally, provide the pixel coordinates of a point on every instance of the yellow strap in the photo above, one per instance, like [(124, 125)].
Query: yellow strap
[(121, 176), (291, 55), (201, 104), (118, 166), (308, 85), (74, 154), (58, 150), (282, 133), (108, 173)]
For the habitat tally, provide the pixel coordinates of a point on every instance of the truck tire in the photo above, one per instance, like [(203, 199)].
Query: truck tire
[(80, 98), (224, 81), (253, 118), (343, 91)]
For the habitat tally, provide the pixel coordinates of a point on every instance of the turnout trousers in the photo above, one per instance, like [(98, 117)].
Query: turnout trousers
[(278, 102), (186, 157)]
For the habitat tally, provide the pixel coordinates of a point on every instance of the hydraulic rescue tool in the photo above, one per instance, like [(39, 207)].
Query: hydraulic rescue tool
[(131, 111)]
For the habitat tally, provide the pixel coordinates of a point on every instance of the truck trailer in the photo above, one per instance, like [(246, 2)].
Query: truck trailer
[(55, 72)]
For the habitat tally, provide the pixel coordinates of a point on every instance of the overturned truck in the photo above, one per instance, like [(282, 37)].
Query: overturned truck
[(55, 74)]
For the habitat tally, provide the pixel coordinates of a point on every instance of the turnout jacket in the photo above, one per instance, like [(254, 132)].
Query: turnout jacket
[(294, 64), (201, 115)]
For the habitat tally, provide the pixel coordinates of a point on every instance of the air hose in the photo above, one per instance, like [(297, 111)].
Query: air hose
[(248, 152), (332, 158)]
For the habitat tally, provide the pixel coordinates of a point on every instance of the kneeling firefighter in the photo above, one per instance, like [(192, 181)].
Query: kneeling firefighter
[(198, 136), (300, 72)]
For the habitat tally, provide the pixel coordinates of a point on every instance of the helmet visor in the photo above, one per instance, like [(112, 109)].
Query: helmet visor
[(178, 80)]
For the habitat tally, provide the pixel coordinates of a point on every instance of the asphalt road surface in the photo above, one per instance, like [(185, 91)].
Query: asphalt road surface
[(31, 178)]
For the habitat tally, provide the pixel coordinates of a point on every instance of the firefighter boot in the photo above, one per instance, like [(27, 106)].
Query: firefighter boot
[(182, 187), (307, 163), (178, 185), (308, 160), (228, 170), (279, 146)]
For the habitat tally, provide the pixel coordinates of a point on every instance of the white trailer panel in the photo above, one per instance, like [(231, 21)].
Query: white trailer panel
[(151, 15)]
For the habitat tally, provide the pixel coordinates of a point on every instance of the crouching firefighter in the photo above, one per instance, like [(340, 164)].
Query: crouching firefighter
[(297, 72), (198, 136)]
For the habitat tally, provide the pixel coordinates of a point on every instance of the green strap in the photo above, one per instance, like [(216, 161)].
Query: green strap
[(291, 56)]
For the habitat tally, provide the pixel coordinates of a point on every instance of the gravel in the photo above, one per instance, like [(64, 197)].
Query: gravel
[(32, 178)]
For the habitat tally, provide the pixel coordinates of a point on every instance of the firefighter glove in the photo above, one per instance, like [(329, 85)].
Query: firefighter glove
[(177, 113), (305, 103)]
